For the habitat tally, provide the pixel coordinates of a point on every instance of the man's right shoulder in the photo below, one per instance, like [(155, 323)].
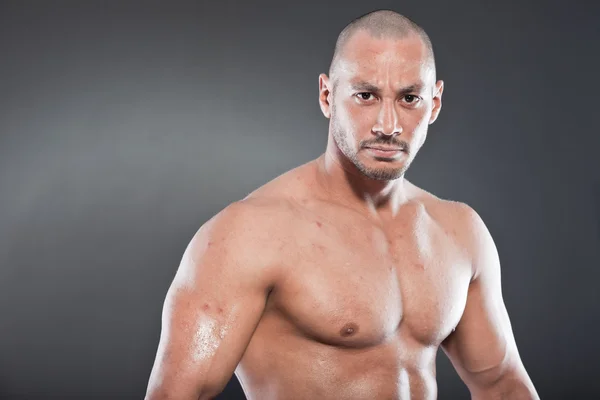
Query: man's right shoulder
[(253, 219), (247, 235)]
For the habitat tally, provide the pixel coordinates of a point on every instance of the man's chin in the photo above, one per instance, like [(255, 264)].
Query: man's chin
[(382, 174), (384, 171)]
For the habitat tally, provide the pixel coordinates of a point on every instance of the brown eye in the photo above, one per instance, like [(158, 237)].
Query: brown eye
[(411, 98), (365, 96)]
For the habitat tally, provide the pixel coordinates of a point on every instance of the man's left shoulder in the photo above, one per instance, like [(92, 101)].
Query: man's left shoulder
[(465, 228), (449, 213), (457, 218)]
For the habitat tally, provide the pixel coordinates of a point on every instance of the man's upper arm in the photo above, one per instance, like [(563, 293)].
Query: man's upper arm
[(483, 348), (212, 307)]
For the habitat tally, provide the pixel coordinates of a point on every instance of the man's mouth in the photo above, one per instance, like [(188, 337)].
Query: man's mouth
[(385, 152), (391, 149)]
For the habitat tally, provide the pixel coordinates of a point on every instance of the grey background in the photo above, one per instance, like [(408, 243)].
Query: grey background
[(125, 126)]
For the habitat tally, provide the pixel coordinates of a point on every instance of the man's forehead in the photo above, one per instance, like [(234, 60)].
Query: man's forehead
[(363, 45), (366, 56)]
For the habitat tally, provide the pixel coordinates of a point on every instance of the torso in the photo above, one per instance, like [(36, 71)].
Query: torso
[(361, 307)]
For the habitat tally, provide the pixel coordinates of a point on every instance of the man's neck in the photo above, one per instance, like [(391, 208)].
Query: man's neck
[(344, 183)]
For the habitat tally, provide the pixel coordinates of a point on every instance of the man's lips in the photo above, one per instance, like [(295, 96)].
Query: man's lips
[(390, 153), (391, 149)]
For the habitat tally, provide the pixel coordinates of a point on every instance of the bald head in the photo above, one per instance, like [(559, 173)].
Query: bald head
[(381, 24)]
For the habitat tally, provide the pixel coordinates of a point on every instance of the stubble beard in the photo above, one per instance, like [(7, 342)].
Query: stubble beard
[(380, 174)]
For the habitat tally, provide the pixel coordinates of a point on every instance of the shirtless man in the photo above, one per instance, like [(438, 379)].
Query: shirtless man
[(340, 279)]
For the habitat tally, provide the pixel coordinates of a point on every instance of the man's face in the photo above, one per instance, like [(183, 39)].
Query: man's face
[(380, 100)]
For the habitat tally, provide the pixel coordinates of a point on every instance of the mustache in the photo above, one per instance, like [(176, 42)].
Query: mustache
[(401, 144)]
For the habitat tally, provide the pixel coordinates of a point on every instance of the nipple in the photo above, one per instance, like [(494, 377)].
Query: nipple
[(349, 329)]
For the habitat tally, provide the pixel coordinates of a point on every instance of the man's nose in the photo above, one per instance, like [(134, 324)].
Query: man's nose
[(388, 123)]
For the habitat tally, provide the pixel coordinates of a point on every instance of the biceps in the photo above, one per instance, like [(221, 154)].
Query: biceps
[(203, 337), (212, 308), (209, 315), (483, 339)]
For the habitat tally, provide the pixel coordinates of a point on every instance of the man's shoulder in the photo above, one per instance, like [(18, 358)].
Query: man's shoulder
[(253, 215), (454, 216), (270, 210), (450, 211), (250, 232), (464, 224)]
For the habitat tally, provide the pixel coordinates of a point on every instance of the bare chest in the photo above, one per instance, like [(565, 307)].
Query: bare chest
[(356, 285)]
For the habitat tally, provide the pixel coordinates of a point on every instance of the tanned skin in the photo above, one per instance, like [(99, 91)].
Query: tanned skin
[(335, 282)]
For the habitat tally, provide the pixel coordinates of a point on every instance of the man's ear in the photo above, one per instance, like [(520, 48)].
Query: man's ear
[(325, 95), (437, 101)]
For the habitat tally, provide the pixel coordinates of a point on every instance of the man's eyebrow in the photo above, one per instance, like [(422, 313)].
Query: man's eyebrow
[(417, 87), (365, 86), (369, 87)]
